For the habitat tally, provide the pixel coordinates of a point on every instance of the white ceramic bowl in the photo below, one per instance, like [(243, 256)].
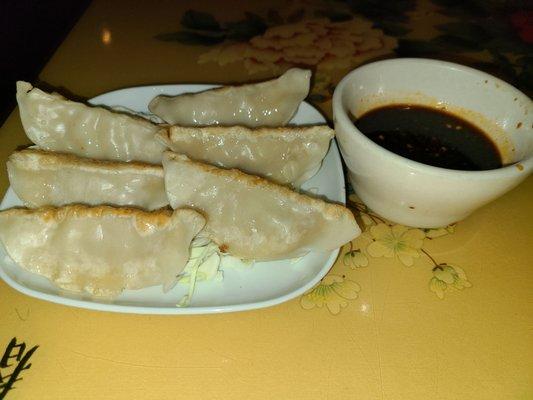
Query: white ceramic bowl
[(417, 194)]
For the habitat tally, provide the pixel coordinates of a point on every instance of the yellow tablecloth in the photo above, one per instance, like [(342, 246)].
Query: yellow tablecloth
[(448, 317)]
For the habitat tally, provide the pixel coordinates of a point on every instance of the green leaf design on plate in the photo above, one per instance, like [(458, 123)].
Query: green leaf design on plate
[(199, 20)]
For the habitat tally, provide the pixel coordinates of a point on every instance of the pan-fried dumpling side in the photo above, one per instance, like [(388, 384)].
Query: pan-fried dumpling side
[(100, 250), (252, 218), (269, 103), (41, 178), (287, 155), (55, 123)]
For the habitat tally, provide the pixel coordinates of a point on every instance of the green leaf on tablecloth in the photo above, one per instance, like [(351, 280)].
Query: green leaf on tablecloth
[(274, 17), (524, 80), (518, 73), (392, 28), (503, 63), (499, 71), (508, 45), (188, 37), (465, 32), (448, 3), (378, 10), (254, 17), (477, 8), (452, 43), (524, 61), (416, 48), (333, 15), (200, 21), (461, 7), (296, 16), (252, 26)]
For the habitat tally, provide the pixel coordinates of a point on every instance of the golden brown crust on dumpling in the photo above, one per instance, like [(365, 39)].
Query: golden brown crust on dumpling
[(159, 217), (282, 132), (34, 159), (100, 250), (331, 210), (285, 155)]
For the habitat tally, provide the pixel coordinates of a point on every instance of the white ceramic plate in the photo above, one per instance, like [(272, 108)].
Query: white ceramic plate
[(263, 285)]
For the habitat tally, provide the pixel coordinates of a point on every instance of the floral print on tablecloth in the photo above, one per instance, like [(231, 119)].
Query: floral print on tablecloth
[(333, 292), (319, 44), (383, 239), (332, 37)]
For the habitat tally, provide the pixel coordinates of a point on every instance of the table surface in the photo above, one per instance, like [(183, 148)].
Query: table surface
[(446, 315)]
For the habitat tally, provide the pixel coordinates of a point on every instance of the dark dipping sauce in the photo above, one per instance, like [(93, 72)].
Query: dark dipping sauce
[(430, 136)]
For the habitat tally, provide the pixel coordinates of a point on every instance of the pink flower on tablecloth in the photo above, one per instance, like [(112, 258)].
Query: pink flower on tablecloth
[(309, 43)]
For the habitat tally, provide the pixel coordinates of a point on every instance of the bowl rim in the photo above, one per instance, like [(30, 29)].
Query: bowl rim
[(340, 116)]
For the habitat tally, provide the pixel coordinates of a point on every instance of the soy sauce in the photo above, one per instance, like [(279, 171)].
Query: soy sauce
[(430, 136)]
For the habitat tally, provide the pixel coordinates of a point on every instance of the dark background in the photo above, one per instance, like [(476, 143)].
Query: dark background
[(30, 32)]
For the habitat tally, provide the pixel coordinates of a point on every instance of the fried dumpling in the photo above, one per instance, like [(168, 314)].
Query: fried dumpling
[(44, 178), (287, 155), (100, 250), (55, 123), (269, 103), (252, 218)]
